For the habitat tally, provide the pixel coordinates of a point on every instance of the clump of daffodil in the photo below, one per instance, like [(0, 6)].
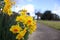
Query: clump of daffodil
[(28, 22), (8, 6), (15, 29)]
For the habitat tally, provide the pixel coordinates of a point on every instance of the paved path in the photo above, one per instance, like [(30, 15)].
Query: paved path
[(44, 32)]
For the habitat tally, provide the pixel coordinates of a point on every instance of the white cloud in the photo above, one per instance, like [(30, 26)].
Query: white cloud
[(56, 9), (29, 7)]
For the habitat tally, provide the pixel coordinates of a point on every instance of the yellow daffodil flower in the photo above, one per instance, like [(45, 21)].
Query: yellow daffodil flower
[(23, 12), (15, 29), (21, 34), (20, 18)]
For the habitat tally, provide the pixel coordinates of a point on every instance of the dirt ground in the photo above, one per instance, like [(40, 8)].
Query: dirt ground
[(44, 32)]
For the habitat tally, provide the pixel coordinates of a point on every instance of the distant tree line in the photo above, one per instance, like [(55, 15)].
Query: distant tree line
[(47, 15)]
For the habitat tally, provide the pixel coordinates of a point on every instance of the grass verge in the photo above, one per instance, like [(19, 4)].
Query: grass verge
[(53, 24)]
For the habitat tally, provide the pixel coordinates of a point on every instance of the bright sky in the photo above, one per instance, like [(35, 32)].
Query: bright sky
[(42, 5)]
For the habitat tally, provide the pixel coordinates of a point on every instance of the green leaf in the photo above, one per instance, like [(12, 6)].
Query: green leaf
[(21, 25), (26, 35)]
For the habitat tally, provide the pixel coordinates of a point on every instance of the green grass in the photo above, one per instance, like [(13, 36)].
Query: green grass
[(53, 24)]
